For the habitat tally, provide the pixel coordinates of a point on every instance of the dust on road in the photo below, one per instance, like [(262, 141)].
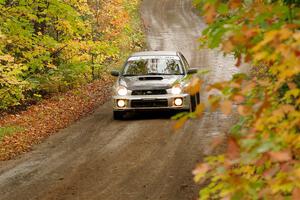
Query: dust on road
[(98, 158)]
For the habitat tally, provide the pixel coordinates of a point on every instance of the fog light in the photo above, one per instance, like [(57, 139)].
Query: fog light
[(121, 103), (178, 102)]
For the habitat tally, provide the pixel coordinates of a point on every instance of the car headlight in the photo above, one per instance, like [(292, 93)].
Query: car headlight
[(176, 89), (122, 91)]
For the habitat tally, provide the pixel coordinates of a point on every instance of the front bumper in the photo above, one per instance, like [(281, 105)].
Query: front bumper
[(152, 102)]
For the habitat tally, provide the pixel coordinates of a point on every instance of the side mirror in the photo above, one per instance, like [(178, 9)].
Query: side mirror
[(192, 71), (115, 73)]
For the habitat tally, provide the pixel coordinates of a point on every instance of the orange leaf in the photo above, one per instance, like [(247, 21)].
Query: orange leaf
[(235, 4), (214, 102), (216, 142), (239, 98), (210, 12), (296, 194), (286, 167), (233, 149), (281, 156), (226, 107), (194, 86), (244, 110)]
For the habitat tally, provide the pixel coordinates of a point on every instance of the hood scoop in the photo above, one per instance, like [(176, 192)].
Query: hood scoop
[(151, 78)]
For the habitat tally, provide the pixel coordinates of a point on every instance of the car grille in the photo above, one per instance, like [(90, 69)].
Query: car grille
[(149, 92), (149, 103)]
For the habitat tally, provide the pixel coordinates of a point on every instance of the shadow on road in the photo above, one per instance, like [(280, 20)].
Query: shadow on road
[(149, 115)]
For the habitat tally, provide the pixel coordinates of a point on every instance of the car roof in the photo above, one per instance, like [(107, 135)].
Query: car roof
[(155, 53)]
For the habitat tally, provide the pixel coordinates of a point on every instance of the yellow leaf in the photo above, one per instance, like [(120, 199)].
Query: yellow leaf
[(7, 58), (261, 55), (180, 123), (200, 171), (285, 34), (200, 109)]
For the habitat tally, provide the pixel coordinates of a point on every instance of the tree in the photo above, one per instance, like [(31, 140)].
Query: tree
[(51, 46), (262, 158)]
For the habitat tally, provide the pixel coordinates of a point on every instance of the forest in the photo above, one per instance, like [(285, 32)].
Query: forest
[(50, 46)]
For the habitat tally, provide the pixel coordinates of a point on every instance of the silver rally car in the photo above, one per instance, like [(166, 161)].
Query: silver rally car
[(153, 80)]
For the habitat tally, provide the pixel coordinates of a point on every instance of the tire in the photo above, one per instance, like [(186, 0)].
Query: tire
[(198, 98), (195, 100), (118, 115), (193, 103)]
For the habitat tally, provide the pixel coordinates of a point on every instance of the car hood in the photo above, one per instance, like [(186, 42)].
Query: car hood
[(149, 82)]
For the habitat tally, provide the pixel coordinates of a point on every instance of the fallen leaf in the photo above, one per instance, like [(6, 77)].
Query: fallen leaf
[(281, 156), (233, 149), (271, 172), (262, 160), (216, 142), (200, 171), (201, 168)]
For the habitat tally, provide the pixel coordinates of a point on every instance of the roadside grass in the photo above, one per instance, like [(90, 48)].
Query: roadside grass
[(10, 130)]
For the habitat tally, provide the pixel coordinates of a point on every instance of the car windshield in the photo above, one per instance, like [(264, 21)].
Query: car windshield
[(153, 65)]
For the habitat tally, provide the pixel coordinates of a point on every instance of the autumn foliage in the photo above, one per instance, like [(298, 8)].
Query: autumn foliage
[(262, 160), (54, 56), (51, 46)]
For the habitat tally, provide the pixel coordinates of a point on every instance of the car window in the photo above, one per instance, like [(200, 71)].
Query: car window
[(153, 65)]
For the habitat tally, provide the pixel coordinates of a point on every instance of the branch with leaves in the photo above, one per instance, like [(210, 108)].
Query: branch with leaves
[(262, 159)]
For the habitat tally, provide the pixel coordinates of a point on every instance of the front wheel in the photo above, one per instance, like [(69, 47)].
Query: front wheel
[(195, 100), (118, 115)]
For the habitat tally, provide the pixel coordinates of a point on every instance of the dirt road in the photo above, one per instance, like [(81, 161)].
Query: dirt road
[(138, 159)]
